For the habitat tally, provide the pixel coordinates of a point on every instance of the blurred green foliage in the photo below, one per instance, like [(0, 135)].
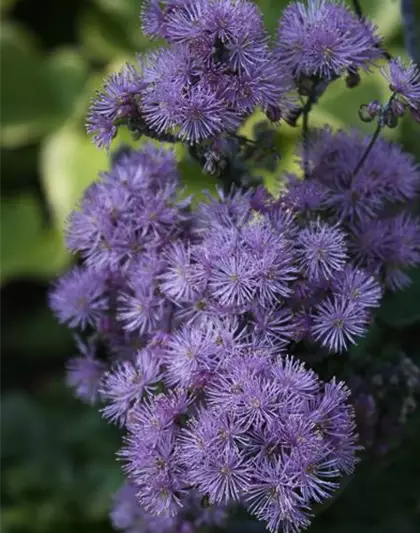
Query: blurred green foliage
[(58, 458)]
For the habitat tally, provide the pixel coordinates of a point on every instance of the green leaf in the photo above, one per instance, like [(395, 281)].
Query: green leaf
[(28, 248), (37, 94), (67, 73), (402, 309), (343, 103), (69, 163), (121, 8), (108, 34), (6, 5)]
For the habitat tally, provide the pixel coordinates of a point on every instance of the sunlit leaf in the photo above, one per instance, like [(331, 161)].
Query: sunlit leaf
[(28, 247), (69, 163), (37, 93)]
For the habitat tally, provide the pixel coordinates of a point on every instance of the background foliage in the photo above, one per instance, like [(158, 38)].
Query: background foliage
[(58, 459)]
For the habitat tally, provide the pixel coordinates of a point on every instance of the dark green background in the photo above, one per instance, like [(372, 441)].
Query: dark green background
[(58, 465)]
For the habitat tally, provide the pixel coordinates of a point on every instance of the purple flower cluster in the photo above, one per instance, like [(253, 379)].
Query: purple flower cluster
[(196, 320), (217, 69), (127, 515), (381, 236), (324, 39), (262, 432), (197, 311)]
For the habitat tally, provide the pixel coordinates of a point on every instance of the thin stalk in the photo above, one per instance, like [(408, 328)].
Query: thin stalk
[(305, 133), (379, 128), (245, 140), (368, 148), (359, 12), (358, 8)]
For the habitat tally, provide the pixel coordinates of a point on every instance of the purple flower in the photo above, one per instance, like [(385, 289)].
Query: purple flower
[(264, 85), (224, 477), (304, 195), (160, 495), (338, 322), (314, 473), (275, 272), (155, 14), (157, 417), (291, 376), (191, 354), (272, 498), (179, 279), (139, 308), (276, 325), (202, 114), (116, 101), (402, 234), (334, 421), (404, 81), (387, 247), (79, 298), (84, 373), (228, 32), (357, 286), (258, 402), (321, 250), (232, 281), (388, 174), (325, 39), (124, 386)]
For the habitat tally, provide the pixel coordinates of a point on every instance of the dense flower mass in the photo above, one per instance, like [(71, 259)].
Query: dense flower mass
[(324, 39), (217, 69), (127, 515), (381, 236), (201, 322), (198, 310)]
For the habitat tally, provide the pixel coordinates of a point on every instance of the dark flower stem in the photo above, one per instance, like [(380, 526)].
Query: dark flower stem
[(359, 12), (358, 8), (374, 138), (368, 149), (243, 139), (411, 30), (305, 132)]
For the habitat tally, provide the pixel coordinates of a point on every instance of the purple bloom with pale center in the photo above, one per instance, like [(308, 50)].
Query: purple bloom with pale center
[(232, 282), (124, 386), (224, 477), (191, 353), (321, 250), (358, 286), (139, 309), (338, 322), (116, 101), (404, 80), (325, 39), (79, 298), (84, 373), (203, 114)]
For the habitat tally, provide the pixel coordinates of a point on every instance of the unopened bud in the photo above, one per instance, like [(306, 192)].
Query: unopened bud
[(305, 85), (397, 108), (273, 113), (368, 112), (390, 119), (352, 79), (415, 113)]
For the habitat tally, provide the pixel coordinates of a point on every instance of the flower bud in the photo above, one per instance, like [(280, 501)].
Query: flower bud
[(273, 113), (397, 108), (352, 79)]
